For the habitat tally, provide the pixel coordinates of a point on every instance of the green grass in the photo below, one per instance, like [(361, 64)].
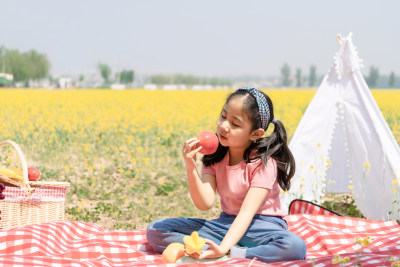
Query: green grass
[(343, 204)]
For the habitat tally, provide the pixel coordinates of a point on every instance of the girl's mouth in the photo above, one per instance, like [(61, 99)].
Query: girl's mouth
[(221, 137)]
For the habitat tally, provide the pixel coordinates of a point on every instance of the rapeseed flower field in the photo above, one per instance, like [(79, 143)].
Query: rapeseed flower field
[(121, 150)]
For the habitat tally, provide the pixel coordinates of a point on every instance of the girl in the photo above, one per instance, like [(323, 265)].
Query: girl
[(248, 171)]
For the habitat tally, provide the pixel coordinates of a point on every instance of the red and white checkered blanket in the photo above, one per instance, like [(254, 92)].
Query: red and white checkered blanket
[(329, 239)]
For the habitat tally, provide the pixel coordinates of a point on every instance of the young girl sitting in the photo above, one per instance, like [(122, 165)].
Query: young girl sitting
[(248, 172)]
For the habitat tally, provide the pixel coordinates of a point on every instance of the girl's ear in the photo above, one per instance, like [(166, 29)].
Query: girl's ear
[(257, 134)]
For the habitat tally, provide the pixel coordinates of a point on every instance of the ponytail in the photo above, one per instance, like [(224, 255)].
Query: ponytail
[(275, 146)]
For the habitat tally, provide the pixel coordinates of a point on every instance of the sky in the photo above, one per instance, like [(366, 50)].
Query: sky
[(209, 37)]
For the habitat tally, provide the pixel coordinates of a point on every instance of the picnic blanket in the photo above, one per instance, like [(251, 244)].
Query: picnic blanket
[(330, 240)]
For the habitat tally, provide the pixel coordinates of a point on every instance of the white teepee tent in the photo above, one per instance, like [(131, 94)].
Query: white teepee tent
[(343, 143)]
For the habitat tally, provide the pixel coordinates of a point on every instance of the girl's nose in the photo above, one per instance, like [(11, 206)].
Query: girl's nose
[(224, 127)]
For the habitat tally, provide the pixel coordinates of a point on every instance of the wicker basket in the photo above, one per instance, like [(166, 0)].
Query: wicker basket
[(29, 202)]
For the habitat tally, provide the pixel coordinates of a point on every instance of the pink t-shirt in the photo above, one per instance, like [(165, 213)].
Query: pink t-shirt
[(233, 182)]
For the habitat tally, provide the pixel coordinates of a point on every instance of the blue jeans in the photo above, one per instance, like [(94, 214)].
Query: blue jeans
[(267, 237)]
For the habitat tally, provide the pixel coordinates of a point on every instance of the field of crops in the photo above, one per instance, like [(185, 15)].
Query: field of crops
[(121, 150)]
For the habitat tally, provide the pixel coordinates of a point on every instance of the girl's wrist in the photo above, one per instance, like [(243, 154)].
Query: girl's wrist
[(190, 163), (225, 249)]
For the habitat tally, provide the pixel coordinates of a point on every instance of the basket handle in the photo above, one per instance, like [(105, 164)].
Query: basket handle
[(25, 182)]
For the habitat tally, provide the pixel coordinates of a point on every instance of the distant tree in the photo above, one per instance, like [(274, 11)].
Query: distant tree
[(227, 82), (105, 71), (214, 81), (312, 78), (204, 80), (373, 76), (126, 76), (160, 79), (38, 64), (81, 78), (392, 79), (298, 78), (189, 80), (285, 71), (3, 58), (178, 79), (25, 66), (15, 64)]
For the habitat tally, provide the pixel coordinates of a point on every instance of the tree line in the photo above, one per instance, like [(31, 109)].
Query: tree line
[(30, 65), (298, 80), (160, 79), (123, 77)]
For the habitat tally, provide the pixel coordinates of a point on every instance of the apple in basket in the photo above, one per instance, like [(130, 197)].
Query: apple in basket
[(33, 174)]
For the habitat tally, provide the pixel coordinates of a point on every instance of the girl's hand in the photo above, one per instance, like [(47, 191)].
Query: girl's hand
[(190, 148), (215, 251)]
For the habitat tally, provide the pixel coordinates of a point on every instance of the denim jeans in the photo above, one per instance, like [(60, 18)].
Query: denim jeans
[(267, 237)]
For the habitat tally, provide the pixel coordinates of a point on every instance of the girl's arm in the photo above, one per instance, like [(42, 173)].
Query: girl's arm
[(252, 202), (202, 189)]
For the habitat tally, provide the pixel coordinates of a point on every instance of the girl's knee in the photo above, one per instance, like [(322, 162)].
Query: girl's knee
[(297, 248), (159, 225), (154, 235), (152, 228)]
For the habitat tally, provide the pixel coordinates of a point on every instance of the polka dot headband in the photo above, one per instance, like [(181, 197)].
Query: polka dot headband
[(262, 105)]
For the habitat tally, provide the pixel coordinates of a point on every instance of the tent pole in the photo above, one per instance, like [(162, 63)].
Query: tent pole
[(339, 38), (350, 35)]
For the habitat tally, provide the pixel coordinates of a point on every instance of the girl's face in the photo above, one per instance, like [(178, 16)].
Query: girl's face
[(234, 128)]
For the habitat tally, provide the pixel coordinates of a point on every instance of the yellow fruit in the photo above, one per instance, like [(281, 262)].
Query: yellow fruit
[(16, 170), (11, 174), (193, 243)]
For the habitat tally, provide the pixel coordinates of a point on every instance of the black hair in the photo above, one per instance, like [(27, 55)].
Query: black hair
[(274, 145)]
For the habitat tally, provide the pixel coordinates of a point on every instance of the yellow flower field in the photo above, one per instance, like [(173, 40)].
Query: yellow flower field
[(121, 150)]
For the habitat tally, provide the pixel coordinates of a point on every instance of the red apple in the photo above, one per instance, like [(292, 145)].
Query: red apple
[(33, 174), (209, 142)]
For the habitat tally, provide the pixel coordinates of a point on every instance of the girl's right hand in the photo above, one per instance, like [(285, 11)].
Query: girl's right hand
[(190, 149)]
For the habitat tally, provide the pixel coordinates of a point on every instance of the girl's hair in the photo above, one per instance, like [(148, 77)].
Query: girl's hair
[(274, 146)]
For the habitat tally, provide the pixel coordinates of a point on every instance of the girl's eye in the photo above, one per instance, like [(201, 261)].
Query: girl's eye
[(234, 124)]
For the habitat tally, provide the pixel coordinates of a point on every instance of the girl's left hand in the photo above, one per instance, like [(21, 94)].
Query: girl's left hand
[(215, 251)]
